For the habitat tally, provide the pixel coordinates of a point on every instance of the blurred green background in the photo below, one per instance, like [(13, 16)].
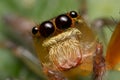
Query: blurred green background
[(40, 10)]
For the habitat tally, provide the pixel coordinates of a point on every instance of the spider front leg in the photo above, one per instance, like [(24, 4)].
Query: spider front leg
[(53, 74), (99, 66)]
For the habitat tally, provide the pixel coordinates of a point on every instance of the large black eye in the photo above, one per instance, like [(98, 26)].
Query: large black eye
[(73, 14), (46, 28), (63, 22), (34, 30)]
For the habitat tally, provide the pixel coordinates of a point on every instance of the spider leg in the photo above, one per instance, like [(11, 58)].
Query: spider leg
[(83, 9), (101, 22), (99, 66), (53, 74)]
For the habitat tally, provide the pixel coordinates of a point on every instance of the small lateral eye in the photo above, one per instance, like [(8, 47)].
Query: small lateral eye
[(73, 14), (46, 28), (63, 22), (34, 30)]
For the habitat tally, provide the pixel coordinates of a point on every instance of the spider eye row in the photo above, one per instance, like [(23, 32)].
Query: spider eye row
[(61, 22)]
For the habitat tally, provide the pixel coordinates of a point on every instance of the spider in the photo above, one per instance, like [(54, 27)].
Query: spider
[(70, 45), (66, 47)]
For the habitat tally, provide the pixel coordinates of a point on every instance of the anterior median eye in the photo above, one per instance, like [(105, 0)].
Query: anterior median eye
[(63, 22), (46, 28)]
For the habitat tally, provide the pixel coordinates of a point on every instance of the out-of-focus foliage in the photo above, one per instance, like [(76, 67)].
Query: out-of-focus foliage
[(40, 10)]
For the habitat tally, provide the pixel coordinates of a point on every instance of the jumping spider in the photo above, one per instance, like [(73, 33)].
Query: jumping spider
[(67, 46)]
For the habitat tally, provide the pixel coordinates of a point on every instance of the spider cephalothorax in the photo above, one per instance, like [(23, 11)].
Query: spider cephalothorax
[(66, 43)]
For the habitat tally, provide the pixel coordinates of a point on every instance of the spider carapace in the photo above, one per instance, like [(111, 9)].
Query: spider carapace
[(67, 47)]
